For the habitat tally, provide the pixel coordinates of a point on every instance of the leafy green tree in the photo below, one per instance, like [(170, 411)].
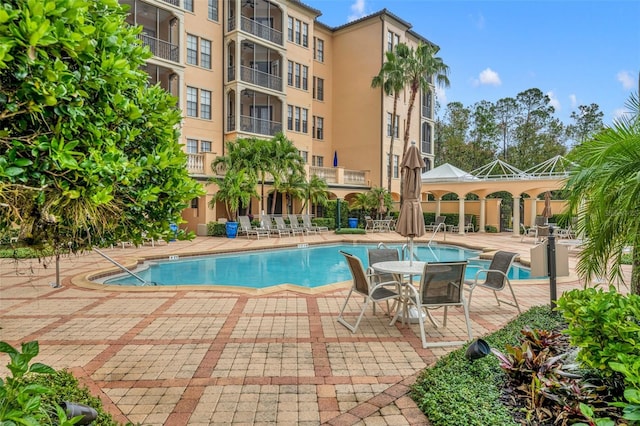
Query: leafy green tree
[(392, 80), (506, 110), (315, 192), (89, 152), (604, 193), (587, 122)]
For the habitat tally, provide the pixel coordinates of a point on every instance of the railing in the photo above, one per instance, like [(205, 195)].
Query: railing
[(355, 177), (426, 111), (329, 175), (160, 48), (173, 2), (260, 30), (426, 146), (259, 126), (338, 175), (231, 73), (260, 78), (195, 163), (231, 123)]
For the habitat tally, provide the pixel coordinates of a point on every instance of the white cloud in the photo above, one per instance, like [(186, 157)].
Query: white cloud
[(574, 100), (478, 21), (619, 113), (554, 102), (488, 77), (441, 97), (626, 79), (357, 10)]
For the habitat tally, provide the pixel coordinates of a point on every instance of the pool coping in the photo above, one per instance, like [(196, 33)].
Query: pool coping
[(86, 281)]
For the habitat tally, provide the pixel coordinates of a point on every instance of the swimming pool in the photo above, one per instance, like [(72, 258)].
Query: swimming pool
[(305, 266)]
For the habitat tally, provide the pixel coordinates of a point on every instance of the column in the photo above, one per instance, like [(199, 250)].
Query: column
[(483, 212), (460, 215), (534, 211), (438, 199), (516, 217)]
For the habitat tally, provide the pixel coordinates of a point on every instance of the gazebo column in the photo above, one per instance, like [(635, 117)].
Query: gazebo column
[(483, 210), (534, 211), (460, 215), (438, 199), (516, 216)]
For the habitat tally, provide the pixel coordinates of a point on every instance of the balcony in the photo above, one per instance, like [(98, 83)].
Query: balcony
[(426, 111), (260, 126), (259, 30), (341, 176), (160, 48), (175, 3), (260, 78), (425, 147)]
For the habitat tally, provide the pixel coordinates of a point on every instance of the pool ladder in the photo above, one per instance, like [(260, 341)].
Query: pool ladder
[(122, 267), (405, 251)]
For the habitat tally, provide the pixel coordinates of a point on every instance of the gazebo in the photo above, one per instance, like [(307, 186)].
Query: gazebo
[(493, 177)]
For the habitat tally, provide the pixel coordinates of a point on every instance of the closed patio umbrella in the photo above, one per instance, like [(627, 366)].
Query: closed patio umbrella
[(410, 221), (546, 212)]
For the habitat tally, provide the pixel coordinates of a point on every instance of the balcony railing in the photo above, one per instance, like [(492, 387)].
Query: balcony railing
[(260, 78), (340, 176), (260, 126), (426, 111), (426, 147), (257, 29), (160, 48), (231, 73), (231, 123), (195, 164), (173, 2)]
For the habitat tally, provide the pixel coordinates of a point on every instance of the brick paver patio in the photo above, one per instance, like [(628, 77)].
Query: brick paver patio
[(177, 356)]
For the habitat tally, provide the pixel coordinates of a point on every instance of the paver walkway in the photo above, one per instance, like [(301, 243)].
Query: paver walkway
[(182, 356)]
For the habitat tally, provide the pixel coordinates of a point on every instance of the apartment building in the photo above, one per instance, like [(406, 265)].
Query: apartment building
[(252, 68)]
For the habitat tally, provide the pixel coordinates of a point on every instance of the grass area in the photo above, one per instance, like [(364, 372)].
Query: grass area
[(8, 252), (456, 391)]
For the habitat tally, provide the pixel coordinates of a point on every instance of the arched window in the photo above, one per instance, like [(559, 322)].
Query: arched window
[(426, 138)]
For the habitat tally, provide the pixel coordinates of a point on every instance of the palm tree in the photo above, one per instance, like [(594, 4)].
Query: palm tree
[(235, 190), (420, 65), (392, 80), (604, 193), (292, 185), (285, 160), (315, 192)]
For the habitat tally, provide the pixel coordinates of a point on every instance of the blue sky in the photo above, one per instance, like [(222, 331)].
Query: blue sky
[(577, 52)]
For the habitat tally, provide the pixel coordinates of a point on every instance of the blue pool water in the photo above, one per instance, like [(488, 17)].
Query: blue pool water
[(311, 266)]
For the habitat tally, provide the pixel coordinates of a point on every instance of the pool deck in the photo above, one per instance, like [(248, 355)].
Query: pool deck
[(178, 356)]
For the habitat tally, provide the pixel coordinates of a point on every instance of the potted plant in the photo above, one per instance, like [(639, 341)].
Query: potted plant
[(235, 189)]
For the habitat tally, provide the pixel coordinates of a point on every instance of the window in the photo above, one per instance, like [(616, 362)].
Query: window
[(297, 76), (297, 31), (213, 10), (188, 5), (205, 146), (192, 50), (389, 124), (318, 127), (389, 41), (320, 50), (192, 102), (396, 162), (194, 203), (290, 73), (305, 120), (318, 88), (317, 160), (396, 40), (305, 156), (205, 53), (290, 29), (289, 117), (205, 104), (305, 35), (305, 77), (192, 146), (296, 122)]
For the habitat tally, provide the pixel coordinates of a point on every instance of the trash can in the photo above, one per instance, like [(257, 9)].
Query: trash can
[(353, 222)]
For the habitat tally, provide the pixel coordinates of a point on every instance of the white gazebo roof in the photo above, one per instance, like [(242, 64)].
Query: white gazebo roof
[(446, 173)]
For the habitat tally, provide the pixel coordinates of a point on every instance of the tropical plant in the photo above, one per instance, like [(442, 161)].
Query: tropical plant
[(392, 80), (604, 194), (315, 192), (291, 186), (235, 190), (286, 161), (89, 151)]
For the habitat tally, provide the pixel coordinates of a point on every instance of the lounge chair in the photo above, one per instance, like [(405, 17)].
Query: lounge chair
[(495, 278), (468, 223), (294, 224), (364, 286), (281, 225), (246, 228), (437, 225), (269, 226), (369, 224), (306, 221), (441, 286), (526, 231)]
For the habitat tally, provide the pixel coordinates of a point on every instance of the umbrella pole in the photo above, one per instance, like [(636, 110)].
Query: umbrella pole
[(410, 251)]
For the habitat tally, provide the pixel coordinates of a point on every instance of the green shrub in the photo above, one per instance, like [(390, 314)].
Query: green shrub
[(491, 229), (324, 221), (344, 231), (24, 253), (216, 229), (458, 392)]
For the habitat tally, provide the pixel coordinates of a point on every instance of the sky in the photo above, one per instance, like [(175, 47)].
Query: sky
[(577, 52)]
